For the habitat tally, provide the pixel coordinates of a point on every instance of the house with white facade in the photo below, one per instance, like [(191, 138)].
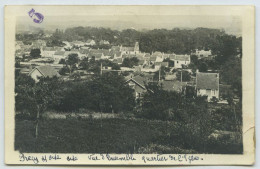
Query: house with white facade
[(58, 55), (48, 52), (43, 71), (130, 50), (207, 84), (203, 53), (90, 42), (180, 60)]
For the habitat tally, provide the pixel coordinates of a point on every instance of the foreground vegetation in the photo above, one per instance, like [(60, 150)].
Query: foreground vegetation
[(113, 136), (162, 121)]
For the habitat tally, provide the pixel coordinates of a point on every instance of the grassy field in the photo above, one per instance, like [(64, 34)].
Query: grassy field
[(100, 136)]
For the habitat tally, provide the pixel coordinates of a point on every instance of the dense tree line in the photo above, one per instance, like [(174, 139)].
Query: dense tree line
[(179, 41)]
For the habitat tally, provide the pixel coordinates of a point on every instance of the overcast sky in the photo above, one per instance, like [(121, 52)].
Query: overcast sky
[(231, 24)]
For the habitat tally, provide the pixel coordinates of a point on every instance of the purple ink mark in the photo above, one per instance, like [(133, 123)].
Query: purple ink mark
[(39, 17)]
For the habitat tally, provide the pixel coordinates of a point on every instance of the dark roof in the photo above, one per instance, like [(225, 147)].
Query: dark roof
[(140, 62), (139, 80), (207, 81), (173, 85), (46, 71)]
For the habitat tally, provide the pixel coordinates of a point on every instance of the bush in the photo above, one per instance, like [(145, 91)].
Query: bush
[(185, 76)]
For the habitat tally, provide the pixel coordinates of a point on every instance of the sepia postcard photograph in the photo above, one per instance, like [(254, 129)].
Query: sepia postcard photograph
[(129, 85)]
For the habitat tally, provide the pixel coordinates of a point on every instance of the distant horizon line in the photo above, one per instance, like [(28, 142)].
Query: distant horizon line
[(131, 28)]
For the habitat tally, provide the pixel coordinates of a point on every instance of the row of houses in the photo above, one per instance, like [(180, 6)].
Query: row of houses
[(207, 84), (117, 54)]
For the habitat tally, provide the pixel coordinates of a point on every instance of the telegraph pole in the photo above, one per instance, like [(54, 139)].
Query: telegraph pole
[(181, 80), (101, 68), (159, 74)]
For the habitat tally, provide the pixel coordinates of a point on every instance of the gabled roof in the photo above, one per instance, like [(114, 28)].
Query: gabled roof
[(162, 64), (118, 60), (49, 49), (157, 53), (139, 80), (152, 58), (147, 55), (182, 57), (105, 52), (173, 85), (115, 48), (118, 54), (59, 53), (140, 55), (159, 59), (84, 51), (96, 55), (46, 71), (128, 55), (127, 49), (207, 81), (89, 40), (172, 56), (141, 62)]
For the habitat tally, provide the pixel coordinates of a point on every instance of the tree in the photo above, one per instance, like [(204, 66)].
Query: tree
[(84, 64), (158, 103), (111, 93), (35, 53), (185, 76), (171, 62), (130, 62), (63, 70), (194, 59), (162, 73), (226, 47), (115, 67), (231, 73), (39, 97), (62, 61), (190, 92), (22, 84), (103, 93), (203, 67), (72, 61)]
